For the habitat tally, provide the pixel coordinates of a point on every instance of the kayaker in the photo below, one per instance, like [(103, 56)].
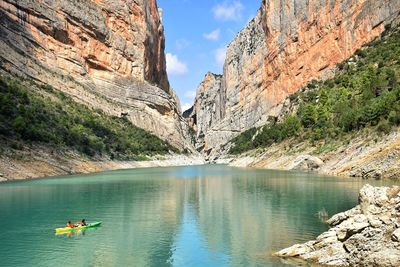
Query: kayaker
[(81, 223), (69, 224)]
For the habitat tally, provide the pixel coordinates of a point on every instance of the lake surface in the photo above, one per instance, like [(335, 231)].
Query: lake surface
[(180, 216)]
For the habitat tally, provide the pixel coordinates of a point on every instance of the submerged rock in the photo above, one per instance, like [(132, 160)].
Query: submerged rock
[(367, 235)]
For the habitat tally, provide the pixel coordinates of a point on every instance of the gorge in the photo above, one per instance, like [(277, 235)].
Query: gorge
[(308, 85), (109, 56), (281, 50)]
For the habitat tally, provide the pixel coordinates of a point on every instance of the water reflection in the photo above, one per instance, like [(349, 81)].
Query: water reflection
[(190, 216)]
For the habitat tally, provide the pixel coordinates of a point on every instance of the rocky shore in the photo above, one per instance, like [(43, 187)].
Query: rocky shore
[(35, 162), (367, 235), (367, 155)]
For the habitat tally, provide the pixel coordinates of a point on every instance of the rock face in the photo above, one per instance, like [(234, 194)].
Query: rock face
[(108, 54), (369, 155), (206, 109), (367, 235), (284, 47)]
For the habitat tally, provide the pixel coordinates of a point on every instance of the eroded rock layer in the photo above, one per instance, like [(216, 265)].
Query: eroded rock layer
[(288, 44), (207, 107), (367, 235), (108, 54)]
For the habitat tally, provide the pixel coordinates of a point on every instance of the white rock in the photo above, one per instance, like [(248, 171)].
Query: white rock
[(295, 250), (370, 195), (359, 236), (306, 162), (396, 235)]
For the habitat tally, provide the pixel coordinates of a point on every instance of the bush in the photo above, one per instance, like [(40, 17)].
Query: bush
[(27, 116), (362, 96), (384, 126), (394, 117), (291, 126), (308, 115)]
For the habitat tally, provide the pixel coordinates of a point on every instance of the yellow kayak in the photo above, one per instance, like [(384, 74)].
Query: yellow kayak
[(69, 229)]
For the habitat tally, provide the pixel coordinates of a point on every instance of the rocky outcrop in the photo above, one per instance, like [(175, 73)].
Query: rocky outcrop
[(367, 235), (206, 109), (306, 162), (284, 47), (368, 155), (108, 54)]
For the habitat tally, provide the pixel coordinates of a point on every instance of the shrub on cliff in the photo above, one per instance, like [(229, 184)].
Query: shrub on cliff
[(365, 93), (41, 114)]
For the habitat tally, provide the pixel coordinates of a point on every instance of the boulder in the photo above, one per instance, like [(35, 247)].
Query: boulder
[(306, 162), (351, 226), (367, 235), (296, 250), (340, 217), (396, 235)]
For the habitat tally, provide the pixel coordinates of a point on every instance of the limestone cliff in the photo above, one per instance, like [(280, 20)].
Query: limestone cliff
[(284, 47), (207, 106), (108, 54)]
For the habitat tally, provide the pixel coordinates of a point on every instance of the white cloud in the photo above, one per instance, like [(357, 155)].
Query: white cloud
[(185, 106), (220, 55), (190, 95), (228, 10), (175, 66), (213, 36)]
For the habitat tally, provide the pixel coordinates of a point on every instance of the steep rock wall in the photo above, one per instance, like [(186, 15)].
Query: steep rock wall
[(108, 54), (207, 107), (284, 47)]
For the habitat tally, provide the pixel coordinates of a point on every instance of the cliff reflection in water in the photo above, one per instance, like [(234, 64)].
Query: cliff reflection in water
[(187, 216)]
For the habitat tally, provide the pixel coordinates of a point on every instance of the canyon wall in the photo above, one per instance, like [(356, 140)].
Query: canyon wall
[(107, 54), (284, 47), (207, 107)]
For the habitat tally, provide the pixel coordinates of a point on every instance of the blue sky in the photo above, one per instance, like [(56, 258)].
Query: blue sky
[(197, 33)]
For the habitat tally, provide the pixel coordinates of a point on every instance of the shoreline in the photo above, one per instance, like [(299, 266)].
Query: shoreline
[(364, 156), (45, 165), (366, 235)]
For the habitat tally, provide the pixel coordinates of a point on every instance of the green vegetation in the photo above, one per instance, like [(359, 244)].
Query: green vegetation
[(366, 93), (39, 114)]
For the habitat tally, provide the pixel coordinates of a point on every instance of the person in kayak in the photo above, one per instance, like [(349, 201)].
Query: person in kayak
[(69, 224), (81, 223)]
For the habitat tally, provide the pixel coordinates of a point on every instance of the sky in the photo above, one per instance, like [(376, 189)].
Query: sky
[(197, 33)]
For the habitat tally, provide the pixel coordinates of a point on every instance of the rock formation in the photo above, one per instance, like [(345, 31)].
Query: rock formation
[(284, 47), (108, 54), (207, 107), (367, 235)]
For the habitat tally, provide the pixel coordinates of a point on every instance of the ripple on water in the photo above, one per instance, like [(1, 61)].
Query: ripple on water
[(186, 216)]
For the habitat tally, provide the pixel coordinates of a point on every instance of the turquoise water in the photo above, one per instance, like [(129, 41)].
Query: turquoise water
[(180, 216)]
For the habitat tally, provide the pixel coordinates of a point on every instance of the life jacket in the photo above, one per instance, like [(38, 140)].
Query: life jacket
[(70, 225)]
